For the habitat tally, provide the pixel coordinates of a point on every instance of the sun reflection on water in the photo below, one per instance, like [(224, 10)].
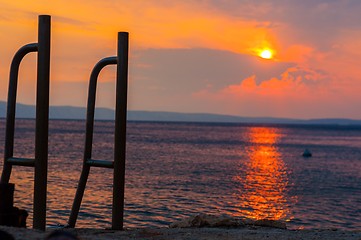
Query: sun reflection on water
[(263, 177)]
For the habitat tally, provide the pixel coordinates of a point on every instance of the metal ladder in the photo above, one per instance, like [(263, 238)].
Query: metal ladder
[(118, 164), (40, 163)]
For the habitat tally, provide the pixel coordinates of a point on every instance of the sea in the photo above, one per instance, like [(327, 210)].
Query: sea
[(179, 169)]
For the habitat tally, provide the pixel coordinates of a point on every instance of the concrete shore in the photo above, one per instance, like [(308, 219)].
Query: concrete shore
[(249, 233)]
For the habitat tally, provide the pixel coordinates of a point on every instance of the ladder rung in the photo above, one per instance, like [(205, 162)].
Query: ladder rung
[(100, 163), (27, 162)]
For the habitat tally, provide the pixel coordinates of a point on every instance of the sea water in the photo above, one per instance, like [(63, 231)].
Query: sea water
[(175, 170)]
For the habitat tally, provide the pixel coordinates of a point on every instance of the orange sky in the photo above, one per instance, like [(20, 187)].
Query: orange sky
[(197, 56)]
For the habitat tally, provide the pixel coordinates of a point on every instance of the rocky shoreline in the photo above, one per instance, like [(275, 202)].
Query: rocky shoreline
[(201, 226)]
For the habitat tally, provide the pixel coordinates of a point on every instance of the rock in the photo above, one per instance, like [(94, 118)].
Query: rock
[(307, 153), (270, 223), (14, 217), (206, 220), (10, 215)]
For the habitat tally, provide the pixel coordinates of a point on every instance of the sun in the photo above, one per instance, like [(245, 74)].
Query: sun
[(266, 54)]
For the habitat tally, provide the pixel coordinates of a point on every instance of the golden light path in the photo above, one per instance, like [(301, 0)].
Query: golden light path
[(264, 179)]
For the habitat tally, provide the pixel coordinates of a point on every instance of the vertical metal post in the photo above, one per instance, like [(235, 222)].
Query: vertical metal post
[(120, 131), (42, 123)]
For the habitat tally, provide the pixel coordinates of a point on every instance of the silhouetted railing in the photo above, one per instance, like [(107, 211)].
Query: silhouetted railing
[(40, 163), (118, 164)]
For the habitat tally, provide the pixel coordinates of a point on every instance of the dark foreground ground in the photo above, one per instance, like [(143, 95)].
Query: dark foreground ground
[(249, 233)]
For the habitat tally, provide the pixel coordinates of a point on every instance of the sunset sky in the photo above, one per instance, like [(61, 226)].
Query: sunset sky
[(197, 55)]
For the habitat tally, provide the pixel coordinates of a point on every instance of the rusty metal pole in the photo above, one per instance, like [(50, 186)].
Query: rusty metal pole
[(120, 132), (42, 123)]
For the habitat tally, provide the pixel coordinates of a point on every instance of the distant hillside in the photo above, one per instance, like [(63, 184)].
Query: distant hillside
[(68, 112), (57, 112)]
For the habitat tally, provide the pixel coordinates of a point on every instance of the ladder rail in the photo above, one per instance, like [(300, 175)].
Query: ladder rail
[(88, 137), (40, 162), (118, 165)]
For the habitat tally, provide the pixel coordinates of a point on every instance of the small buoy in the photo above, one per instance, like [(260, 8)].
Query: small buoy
[(307, 153)]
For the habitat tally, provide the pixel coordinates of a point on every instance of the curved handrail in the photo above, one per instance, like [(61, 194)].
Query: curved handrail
[(91, 102), (11, 106), (88, 136)]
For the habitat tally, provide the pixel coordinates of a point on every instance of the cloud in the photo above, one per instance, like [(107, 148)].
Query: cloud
[(197, 56), (316, 23), (154, 24), (294, 79), (186, 70), (206, 80), (298, 91)]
